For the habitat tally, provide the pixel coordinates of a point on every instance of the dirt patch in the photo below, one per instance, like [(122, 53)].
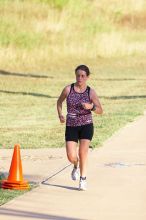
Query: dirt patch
[(135, 21)]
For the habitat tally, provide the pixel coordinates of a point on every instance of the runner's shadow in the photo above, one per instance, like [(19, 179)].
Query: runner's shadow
[(61, 186)]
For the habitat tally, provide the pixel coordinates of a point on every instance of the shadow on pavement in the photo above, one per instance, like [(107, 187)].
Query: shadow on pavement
[(35, 215), (44, 182), (61, 186)]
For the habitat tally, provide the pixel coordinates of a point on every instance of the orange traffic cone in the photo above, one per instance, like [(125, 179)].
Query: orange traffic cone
[(15, 178)]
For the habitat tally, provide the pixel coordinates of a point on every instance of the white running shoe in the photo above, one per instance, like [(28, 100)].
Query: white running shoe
[(75, 174), (83, 185)]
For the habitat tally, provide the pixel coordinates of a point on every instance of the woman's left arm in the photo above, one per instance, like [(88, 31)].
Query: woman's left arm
[(97, 108)]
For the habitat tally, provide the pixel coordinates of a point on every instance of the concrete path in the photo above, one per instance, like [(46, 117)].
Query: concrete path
[(116, 182)]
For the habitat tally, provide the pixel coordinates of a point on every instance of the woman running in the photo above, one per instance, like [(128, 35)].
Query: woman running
[(81, 101)]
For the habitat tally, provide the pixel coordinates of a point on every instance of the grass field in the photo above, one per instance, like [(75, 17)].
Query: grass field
[(28, 102), (6, 195), (41, 43)]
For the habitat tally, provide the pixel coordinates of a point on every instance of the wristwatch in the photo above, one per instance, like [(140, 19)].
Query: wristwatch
[(93, 108)]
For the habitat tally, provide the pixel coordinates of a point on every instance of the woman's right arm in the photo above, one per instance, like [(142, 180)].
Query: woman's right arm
[(60, 100)]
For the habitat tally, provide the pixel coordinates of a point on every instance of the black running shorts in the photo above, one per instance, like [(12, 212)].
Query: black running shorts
[(76, 133)]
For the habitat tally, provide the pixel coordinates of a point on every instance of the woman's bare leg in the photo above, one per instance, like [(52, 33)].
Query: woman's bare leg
[(83, 154), (72, 153)]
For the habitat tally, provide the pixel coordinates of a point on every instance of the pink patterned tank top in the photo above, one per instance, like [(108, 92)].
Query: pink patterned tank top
[(76, 114)]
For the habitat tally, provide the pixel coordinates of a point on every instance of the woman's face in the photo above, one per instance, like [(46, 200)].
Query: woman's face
[(81, 77)]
